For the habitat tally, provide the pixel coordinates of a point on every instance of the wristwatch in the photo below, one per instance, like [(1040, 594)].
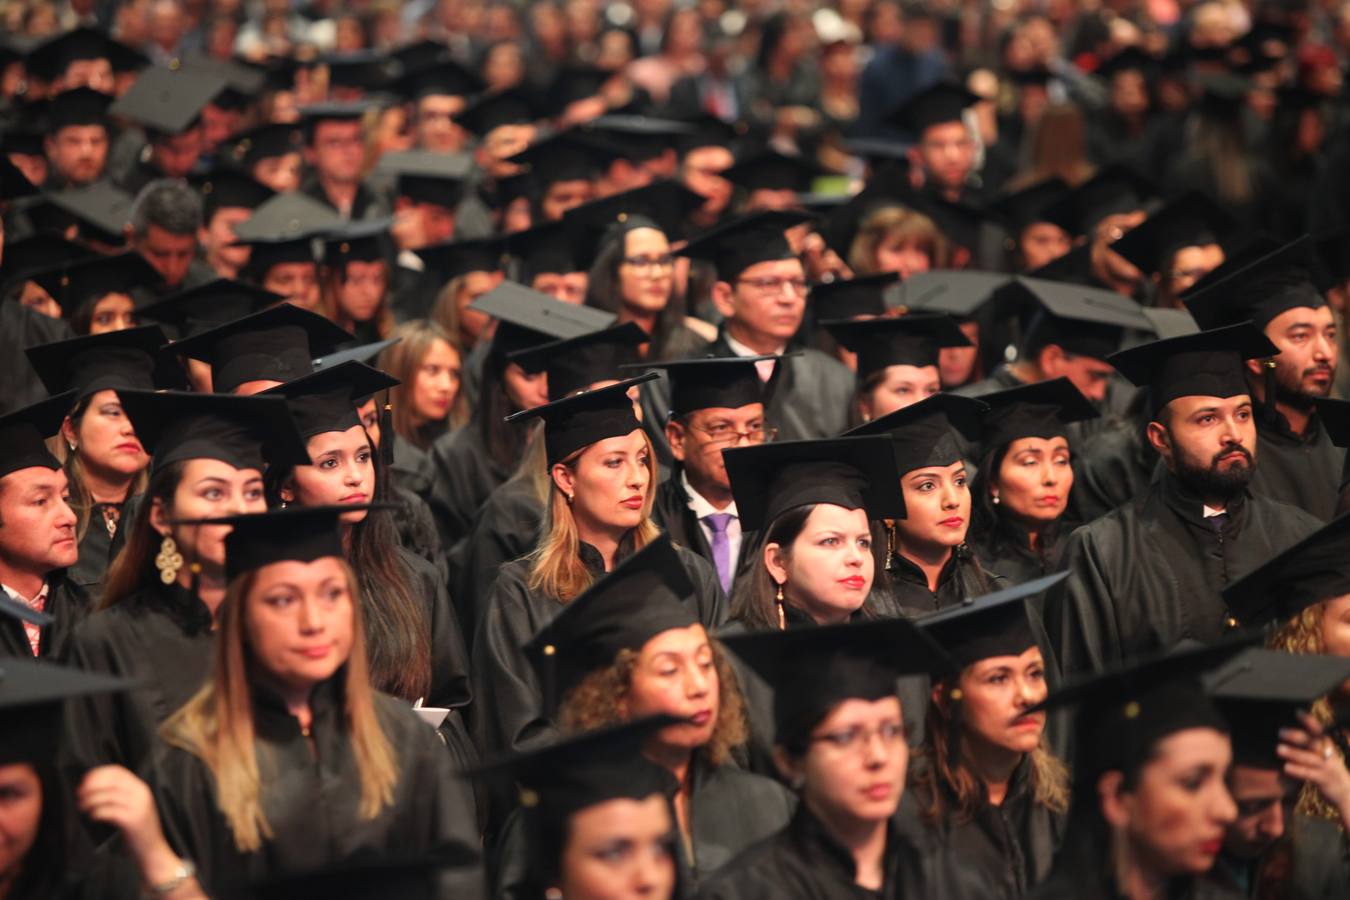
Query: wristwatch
[(186, 871)]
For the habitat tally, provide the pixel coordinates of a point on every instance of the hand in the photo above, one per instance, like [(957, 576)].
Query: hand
[(114, 796), (1310, 756)]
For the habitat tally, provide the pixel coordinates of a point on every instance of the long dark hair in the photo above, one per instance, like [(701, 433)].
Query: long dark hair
[(603, 291), (398, 644), (134, 567), (504, 441), (54, 847), (753, 602), (996, 530)]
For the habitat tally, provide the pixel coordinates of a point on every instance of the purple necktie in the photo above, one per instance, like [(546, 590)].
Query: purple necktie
[(721, 546)]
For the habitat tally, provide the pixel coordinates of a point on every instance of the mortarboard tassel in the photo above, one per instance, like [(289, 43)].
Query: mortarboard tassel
[(387, 431)]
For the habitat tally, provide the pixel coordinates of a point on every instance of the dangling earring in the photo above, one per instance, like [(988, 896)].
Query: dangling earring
[(72, 446), (169, 560), (570, 497), (994, 497), (782, 613)]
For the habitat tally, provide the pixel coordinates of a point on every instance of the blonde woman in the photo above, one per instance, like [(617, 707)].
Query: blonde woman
[(603, 482), (430, 400), (898, 239), (287, 760)]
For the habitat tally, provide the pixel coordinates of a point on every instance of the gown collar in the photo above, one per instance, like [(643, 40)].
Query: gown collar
[(595, 563), (1191, 508), (272, 719), (818, 846)]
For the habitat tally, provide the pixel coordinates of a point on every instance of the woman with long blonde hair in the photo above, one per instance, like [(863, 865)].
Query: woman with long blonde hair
[(430, 400), (287, 760), (603, 483)]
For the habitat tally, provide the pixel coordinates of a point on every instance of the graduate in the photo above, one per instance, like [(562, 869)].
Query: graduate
[(96, 295), (603, 484), (610, 663), (324, 768), (1150, 573), (1025, 477), (105, 464), (354, 280), (162, 597)]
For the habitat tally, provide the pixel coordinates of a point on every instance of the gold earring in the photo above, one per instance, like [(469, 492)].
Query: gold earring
[(995, 499), (169, 560), (782, 613), (570, 498), (72, 446)]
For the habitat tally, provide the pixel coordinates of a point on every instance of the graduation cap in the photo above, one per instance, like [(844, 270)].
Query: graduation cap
[(735, 246), (1083, 320), (244, 432), (943, 102), (293, 534), (427, 177), (663, 205), (326, 400), (365, 353), (576, 82), (100, 210), (852, 298), (639, 137), (1261, 692), (912, 340), (769, 170), (77, 106), (574, 364), (367, 70), (576, 422), (712, 383), (1125, 711), (76, 285), (961, 223), (1307, 573), (208, 305), (1277, 282), (1192, 220), (557, 781), (361, 241), (565, 156), (526, 317), (420, 54), (332, 111), (1333, 257), (265, 142), (1040, 410), (1021, 209), (24, 433), (995, 624), (878, 152), (1115, 189), (268, 252), (273, 345), (709, 131), (512, 106), (242, 82), (223, 188), (767, 480), (168, 102), (1170, 322), (288, 217), (32, 704), (440, 78), (130, 358), (451, 259), (1131, 59), (959, 294), (1245, 254), (646, 594), (550, 247), (813, 670), (36, 252), (50, 59), (1207, 363), (924, 434)]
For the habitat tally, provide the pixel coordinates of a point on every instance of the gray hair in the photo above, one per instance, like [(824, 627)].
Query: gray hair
[(167, 203)]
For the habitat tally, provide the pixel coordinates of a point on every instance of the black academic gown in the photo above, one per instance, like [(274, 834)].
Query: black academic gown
[(729, 810), (97, 548), (1301, 470), (365, 205), (465, 473), (671, 511), (310, 797), (963, 576), (160, 638), (1115, 466), (1007, 849), (412, 293), (1081, 871), (1016, 562), (1320, 864), (22, 327), (67, 604), (508, 527), (1151, 573), (508, 691), (803, 862)]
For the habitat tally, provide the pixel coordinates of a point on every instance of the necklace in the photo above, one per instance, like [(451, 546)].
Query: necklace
[(110, 516)]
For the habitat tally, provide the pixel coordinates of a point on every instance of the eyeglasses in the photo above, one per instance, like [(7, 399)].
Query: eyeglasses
[(725, 433), (857, 737), (768, 286), (648, 263)]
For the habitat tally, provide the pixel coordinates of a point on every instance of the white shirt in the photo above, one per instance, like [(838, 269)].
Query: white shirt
[(39, 603), (1211, 512), (702, 507), (764, 367)]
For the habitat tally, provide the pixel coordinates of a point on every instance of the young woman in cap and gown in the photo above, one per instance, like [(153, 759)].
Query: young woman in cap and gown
[(607, 659), (156, 619), (985, 787), (1025, 476), (105, 464), (931, 566), (287, 760), (603, 476)]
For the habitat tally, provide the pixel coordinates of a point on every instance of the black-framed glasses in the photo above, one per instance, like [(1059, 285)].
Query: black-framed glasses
[(858, 737), (726, 433)]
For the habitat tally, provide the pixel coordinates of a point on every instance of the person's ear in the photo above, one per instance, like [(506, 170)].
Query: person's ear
[(675, 435), (68, 433), (159, 517), (1255, 369), (1050, 360), (1113, 799), (788, 768), (565, 480), (775, 563), (1159, 439), (722, 299)]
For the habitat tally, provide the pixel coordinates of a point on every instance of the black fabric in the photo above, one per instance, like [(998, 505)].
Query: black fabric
[(575, 423), (712, 383), (129, 358), (465, 473), (24, 433), (67, 604), (1303, 574), (1301, 470), (735, 246), (912, 340), (1149, 574), (245, 432), (574, 364), (962, 576), (1204, 364), (995, 624), (926, 433), (506, 528)]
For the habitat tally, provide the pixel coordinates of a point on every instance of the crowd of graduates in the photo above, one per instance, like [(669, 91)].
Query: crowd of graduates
[(561, 450)]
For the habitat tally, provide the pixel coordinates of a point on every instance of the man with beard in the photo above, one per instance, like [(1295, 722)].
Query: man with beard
[(1149, 573), (1299, 463)]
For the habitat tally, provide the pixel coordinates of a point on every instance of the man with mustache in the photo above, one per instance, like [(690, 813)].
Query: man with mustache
[(1150, 573), (1299, 463)]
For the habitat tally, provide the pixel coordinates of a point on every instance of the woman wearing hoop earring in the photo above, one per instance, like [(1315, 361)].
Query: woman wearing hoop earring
[(155, 620)]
